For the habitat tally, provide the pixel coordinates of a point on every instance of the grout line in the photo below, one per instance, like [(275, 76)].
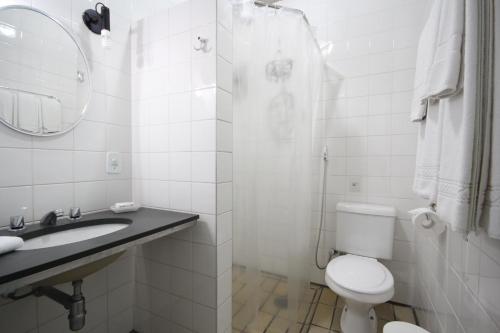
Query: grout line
[(307, 324)]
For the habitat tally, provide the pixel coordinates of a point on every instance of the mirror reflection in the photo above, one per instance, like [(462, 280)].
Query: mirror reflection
[(44, 76)]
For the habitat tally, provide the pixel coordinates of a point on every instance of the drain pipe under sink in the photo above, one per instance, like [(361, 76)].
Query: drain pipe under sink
[(74, 303)]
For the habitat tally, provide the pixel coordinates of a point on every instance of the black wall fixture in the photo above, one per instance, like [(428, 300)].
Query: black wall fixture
[(97, 19)]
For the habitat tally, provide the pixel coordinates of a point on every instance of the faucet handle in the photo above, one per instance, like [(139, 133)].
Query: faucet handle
[(75, 213), (17, 222)]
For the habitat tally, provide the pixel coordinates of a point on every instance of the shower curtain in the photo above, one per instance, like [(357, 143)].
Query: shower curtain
[(277, 83)]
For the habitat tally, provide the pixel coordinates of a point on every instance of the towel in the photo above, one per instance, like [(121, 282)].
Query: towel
[(491, 211), (465, 142), (444, 75), (457, 155), (425, 183), (8, 243), (28, 112), (425, 56), (7, 105), (490, 219), (439, 56), (51, 115)]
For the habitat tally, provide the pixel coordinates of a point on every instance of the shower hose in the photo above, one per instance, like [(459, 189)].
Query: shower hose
[(323, 209)]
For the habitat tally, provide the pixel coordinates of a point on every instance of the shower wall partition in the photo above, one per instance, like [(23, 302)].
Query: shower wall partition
[(278, 69)]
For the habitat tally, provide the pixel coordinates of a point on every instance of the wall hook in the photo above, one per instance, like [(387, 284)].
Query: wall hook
[(203, 45)]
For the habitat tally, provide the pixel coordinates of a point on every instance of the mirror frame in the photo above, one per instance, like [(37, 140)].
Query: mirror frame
[(85, 61)]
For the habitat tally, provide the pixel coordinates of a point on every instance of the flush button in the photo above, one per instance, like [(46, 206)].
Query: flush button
[(113, 163)]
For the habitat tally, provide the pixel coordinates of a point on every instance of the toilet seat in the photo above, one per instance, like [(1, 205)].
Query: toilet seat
[(360, 278), (360, 274), (402, 327)]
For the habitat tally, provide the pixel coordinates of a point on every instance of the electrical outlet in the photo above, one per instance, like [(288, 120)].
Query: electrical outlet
[(113, 163), (355, 184)]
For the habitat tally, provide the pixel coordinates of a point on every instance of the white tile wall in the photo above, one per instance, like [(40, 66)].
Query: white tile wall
[(458, 282), (43, 174), (177, 164)]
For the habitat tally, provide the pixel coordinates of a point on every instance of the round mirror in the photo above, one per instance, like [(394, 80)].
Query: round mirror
[(44, 75)]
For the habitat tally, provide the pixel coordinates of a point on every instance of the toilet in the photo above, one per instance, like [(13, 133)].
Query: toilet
[(402, 327), (365, 233)]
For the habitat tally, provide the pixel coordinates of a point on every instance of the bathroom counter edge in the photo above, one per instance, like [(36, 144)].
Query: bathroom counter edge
[(145, 222)]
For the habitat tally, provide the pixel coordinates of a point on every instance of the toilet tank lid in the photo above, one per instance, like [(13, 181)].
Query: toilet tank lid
[(368, 209)]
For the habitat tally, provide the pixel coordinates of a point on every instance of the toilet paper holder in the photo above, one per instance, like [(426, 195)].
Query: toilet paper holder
[(427, 218)]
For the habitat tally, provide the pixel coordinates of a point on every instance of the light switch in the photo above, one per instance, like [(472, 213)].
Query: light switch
[(113, 163)]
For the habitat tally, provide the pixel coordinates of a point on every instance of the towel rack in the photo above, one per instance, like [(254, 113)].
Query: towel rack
[(30, 92)]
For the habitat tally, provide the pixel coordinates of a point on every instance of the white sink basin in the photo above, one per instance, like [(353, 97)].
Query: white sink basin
[(71, 236)]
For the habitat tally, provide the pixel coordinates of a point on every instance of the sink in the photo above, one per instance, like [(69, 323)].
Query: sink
[(71, 232), (66, 232), (71, 236)]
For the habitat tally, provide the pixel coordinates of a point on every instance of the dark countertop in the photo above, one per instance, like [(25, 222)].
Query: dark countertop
[(145, 222)]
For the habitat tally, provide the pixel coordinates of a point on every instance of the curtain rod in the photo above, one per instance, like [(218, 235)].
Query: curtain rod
[(261, 3)]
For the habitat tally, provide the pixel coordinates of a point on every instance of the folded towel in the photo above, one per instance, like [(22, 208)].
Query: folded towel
[(444, 75), (51, 115), (8, 244), (425, 58), (439, 56), (28, 112), (7, 105)]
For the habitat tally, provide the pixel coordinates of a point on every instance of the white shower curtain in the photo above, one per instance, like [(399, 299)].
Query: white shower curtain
[(276, 91)]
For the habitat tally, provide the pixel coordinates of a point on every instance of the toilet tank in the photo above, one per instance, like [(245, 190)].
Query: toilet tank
[(365, 229)]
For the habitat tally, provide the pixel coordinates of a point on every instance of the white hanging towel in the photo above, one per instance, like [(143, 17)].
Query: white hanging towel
[(439, 56), (457, 185), (491, 212), (425, 183), (7, 105), (425, 57), (51, 115), (8, 243), (28, 112), (457, 155)]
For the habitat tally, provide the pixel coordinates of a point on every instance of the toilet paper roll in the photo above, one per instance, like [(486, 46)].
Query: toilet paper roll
[(426, 218)]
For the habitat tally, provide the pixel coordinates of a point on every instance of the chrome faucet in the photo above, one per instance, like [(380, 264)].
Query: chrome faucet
[(17, 222), (51, 217)]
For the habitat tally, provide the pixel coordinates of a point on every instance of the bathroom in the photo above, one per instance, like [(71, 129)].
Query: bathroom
[(249, 166)]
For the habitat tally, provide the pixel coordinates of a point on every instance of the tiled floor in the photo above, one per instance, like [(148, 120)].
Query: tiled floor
[(320, 312)]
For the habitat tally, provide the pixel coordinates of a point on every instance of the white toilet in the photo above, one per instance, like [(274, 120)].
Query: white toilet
[(402, 327), (365, 232)]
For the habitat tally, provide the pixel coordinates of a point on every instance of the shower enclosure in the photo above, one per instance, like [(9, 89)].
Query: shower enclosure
[(277, 83)]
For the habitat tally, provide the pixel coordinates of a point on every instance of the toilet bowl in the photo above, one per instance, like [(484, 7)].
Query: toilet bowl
[(402, 327), (365, 232), (362, 282)]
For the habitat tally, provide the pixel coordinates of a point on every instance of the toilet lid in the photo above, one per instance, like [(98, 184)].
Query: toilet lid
[(360, 274), (402, 327)]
